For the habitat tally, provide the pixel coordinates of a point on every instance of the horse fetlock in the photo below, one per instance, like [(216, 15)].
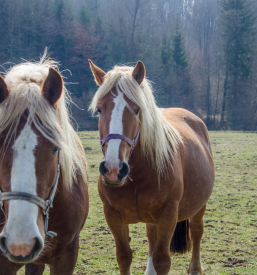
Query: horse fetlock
[(126, 271), (130, 270), (199, 271), (125, 264)]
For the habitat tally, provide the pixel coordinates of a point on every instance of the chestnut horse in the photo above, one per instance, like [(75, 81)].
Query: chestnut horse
[(36, 138), (157, 169)]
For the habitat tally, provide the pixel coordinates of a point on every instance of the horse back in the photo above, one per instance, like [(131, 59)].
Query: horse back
[(190, 126)]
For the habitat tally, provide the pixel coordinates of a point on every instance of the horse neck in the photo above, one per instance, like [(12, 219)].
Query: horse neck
[(61, 198), (138, 161)]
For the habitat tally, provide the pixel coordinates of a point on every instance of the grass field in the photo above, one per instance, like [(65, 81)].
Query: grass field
[(229, 245)]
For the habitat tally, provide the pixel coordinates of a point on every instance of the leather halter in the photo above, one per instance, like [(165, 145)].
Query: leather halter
[(131, 142), (44, 204)]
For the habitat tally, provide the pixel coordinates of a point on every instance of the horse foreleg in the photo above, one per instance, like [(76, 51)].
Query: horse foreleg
[(165, 228), (196, 228), (66, 263), (152, 238), (34, 269), (120, 233)]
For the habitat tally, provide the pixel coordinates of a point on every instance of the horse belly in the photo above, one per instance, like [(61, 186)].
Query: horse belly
[(197, 191)]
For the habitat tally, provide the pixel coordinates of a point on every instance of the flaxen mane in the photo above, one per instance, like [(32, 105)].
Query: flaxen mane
[(24, 81), (159, 140)]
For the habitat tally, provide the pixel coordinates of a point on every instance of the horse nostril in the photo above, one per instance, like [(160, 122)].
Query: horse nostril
[(102, 169), (124, 170), (37, 247), (3, 244)]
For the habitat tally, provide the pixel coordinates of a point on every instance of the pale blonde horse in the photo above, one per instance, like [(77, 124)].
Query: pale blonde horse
[(42, 165), (157, 169)]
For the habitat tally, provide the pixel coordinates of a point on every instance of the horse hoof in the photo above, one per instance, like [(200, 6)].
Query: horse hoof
[(202, 272)]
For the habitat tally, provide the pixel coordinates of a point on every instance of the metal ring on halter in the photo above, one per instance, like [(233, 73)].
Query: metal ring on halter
[(45, 205), (118, 136)]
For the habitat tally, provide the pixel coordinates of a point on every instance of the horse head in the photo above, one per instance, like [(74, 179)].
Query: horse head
[(119, 123), (29, 160)]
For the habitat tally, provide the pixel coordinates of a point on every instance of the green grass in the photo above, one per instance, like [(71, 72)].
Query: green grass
[(229, 245)]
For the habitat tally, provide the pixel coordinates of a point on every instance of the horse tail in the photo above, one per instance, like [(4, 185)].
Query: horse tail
[(181, 240)]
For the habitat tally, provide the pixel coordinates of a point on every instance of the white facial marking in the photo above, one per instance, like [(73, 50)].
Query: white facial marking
[(22, 216), (150, 268), (116, 127)]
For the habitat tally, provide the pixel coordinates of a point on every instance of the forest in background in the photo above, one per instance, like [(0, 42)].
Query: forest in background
[(199, 54)]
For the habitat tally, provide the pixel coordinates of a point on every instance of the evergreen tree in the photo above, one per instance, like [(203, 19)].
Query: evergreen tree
[(45, 22), (4, 4), (65, 29), (165, 52), (237, 32), (179, 55), (181, 78), (84, 16)]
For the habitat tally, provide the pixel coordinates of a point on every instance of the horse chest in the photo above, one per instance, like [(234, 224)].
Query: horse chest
[(134, 204)]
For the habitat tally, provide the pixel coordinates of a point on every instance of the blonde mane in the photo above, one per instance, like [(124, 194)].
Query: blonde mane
[(159, 140), (24, 81)]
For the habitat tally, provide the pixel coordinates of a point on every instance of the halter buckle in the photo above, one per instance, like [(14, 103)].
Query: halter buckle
[(47, 207), (1, 202), (133, 143)]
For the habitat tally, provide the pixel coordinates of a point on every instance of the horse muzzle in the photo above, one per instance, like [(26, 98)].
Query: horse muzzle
[(116, 176), (23, 254)]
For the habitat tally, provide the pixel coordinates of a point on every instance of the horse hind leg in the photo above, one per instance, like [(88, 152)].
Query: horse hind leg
[(196, 228)]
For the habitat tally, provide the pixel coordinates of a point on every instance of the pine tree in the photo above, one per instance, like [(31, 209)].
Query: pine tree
[(165, 52), (237, 32), (65, 28), (84, 16), (179, 55), (181, 78)]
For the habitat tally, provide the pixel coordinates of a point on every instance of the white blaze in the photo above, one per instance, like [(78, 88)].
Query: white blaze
[(116, 127), (22, 216)]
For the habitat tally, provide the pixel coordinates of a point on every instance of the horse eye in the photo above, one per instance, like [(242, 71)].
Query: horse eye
[(55, 150), (99, 111), (136, 112)]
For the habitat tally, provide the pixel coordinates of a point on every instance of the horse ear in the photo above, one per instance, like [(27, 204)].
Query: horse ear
[(97, 72), (4, 90), (139, 72), (53, 87)]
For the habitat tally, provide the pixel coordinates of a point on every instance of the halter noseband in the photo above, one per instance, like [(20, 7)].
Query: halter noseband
[(45, 205), (131, 142)]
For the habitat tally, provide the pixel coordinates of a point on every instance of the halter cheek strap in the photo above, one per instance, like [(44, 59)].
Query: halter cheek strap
[(45, 205), (131, 142)]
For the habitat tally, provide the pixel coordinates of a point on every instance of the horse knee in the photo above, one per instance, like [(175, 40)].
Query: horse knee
[(161, 263), (125, 258)]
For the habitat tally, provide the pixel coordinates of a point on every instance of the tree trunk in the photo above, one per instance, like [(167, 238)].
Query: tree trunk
[(217, 98), (223, 112)]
